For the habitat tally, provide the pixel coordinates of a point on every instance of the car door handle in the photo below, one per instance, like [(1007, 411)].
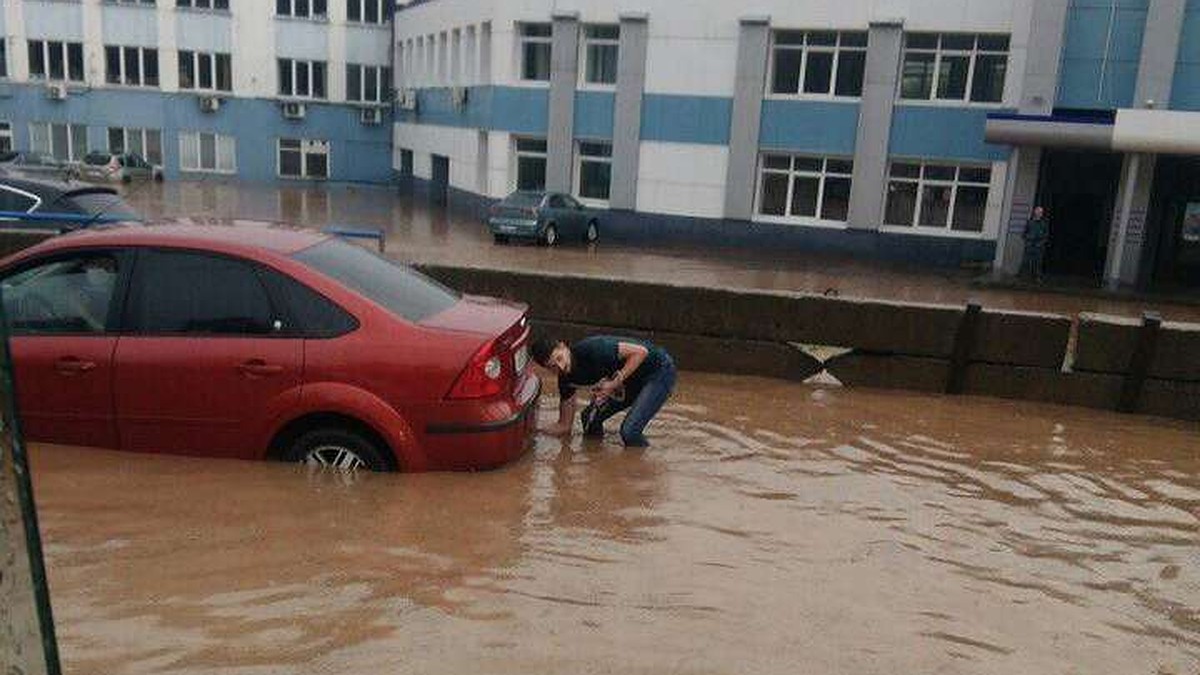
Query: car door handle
[(259, 368), (71, 365)]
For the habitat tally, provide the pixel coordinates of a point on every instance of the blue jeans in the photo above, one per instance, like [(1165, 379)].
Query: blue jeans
[(642, 408)]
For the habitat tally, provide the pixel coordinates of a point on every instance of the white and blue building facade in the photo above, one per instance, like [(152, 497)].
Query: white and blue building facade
[(921, 131), (262, 90)]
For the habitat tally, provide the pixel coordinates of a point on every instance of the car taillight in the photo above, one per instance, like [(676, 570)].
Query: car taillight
[(483, 376)]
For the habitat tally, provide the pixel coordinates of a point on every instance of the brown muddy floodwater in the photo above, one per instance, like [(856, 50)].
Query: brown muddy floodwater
[(773, 528)]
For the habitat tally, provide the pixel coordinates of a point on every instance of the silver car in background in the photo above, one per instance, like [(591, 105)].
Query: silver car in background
[(545, 217), (119, 167)]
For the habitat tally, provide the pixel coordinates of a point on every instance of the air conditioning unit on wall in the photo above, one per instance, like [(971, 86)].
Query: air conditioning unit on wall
[(407, 99), (370, 116), (210, 104), (293, 110), (458, 97), (56, 91)]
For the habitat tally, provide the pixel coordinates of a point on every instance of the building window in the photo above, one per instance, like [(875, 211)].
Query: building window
[(3, 57), (68, 142), (53, 60), (601, 45), (132, 2), (202, 71), (301, 79), (369, 84), (531, 164), (300, 158), (938, 196), (207, 152), (134, 66), (406, 163), (818, 63), (805, 187), (301, 9), (954, 67), (6, 136), (594, 170), (369, 11), (222, 5), (144, 142), (535, 52)]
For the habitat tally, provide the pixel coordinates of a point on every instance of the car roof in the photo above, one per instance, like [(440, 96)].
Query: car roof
[(49, 189), (215, 234)]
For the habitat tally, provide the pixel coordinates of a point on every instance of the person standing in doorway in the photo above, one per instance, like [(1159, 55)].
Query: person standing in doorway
[(1037, 231), (621, 373)]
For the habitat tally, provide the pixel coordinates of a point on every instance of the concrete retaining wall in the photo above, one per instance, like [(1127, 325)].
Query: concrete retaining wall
[(893, 345)]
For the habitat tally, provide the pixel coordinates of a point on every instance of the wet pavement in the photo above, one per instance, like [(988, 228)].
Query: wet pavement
[(773, 528), (418, 232)]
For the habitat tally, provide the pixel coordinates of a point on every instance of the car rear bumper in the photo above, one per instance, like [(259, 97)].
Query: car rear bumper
[(496, 435), (514, 227)]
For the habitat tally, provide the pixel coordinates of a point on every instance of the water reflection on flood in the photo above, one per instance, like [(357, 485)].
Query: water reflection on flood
[(773, 528)]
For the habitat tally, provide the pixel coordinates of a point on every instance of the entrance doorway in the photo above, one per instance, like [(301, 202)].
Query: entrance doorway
[(440, 179), (1079, 191), (1173, 225)]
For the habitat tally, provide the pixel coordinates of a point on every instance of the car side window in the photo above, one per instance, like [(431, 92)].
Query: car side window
[(16, 201), (178, 292), (308, 313), (65, 296), (572, 203), (556, 202)]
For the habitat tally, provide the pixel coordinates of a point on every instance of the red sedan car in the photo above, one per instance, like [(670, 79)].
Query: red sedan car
[(252, 340)]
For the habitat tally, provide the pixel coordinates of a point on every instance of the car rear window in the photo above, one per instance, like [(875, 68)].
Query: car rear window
[(94, 203), (97, 159), (523, 199), (402, 291)]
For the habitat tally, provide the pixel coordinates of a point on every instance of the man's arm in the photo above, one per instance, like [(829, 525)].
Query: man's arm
[(631, 355), (566, 415)]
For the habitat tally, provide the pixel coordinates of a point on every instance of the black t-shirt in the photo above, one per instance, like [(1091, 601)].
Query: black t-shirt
[(598, 358)]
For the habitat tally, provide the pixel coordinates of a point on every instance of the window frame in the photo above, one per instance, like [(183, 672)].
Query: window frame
[(838, 49), (792, 172), (519, 154), (304, 149), (123, 61), (186, 135), (921, 183), (310, 15), (73, 154), (309, 68), (580, 160), (585, 43), (6, 134), (194, 64), (191, 5), (940, 54), (65, 49), (524, 40), (383, 79), (145, 133)]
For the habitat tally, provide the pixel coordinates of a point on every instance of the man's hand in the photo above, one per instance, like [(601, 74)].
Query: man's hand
[(605, 389)]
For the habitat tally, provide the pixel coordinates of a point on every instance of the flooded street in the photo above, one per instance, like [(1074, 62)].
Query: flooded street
[(419, 232), (773, 528)]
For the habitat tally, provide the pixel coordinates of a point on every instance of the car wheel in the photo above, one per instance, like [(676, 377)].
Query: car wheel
[(593, 233), (337, 449), (500, 238), (158, 178), (550, 236)]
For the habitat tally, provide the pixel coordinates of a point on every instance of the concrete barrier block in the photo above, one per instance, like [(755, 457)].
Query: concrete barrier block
[(1022, 339), (1171, 398), (882, 371), (703, 354), (1092, 390), (922, 330), (1106, 345)]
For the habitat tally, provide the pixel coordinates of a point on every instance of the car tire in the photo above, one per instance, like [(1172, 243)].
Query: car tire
[(592, 234), (337, 448), (550, 236), (500, 238), (158, 178)]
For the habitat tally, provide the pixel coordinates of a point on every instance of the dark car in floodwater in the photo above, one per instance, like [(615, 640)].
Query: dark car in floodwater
[(545, 217), (45, 198)]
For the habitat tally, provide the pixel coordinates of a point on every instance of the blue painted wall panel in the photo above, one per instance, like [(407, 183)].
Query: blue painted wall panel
[(1102, 48), (686, 119), (1185, 93), (594, 112), (937, 132), (809, 126), (359, 153), (520, 110)]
